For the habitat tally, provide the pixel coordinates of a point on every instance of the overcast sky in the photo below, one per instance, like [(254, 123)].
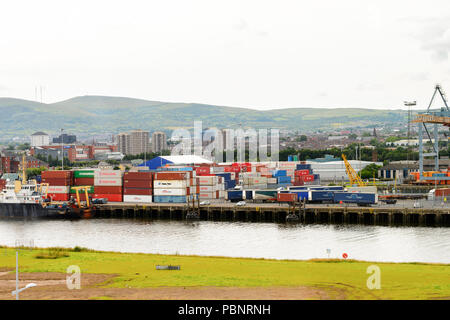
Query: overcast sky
[(244, 53)]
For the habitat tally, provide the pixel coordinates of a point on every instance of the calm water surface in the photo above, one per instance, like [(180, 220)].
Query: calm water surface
[(234, 239)]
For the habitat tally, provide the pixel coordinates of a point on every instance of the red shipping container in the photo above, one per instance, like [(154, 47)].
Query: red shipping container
[(171, 175), (83, 182), (57, 181), (308, 178), (58, 196), (202, 170), (108, 190), (234, 169), (138, 191), (287, 197), (138, 183), (301, 172), (59, 174), (138, 176), (110, 197)]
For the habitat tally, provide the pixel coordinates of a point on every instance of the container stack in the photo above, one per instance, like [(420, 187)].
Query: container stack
[(283, 180), (172, 186), (83, 178), (210, 186), (304, 175), (138, 187), (2, 184), (253, 180), (108, 185), (59, 184)]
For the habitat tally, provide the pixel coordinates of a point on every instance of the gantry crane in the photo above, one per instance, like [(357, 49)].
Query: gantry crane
[(435, 117), (352, 175)]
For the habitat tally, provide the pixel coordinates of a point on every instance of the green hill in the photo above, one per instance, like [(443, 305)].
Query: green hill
[(100, 114)]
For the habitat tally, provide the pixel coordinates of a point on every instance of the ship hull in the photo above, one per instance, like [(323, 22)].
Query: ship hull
[(34, 211)]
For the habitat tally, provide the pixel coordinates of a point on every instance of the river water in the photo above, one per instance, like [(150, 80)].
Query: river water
[(235, 239)]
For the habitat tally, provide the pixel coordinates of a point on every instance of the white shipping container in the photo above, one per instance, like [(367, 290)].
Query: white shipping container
[(272, 180), (208, 180), (218, 169), (107, 182), (222, 194), (139, 199), (207, 189), (207, 195), (170, 192), (56, 189), (220, 186), (107, 174), (170, 184)]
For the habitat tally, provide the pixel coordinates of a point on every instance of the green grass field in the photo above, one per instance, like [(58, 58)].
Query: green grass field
[(398, 281)]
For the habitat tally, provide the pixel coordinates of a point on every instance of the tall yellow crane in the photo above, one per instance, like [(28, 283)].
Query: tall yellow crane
[(352, 175)]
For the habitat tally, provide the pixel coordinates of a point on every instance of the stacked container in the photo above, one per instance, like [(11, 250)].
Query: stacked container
[(209, 187), (138, 187), (59, 184), (108, 185), (172, 186), (83, 178), (2, 184)]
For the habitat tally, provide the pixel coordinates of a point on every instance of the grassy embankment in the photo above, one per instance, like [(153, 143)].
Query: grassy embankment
[(338, 278)]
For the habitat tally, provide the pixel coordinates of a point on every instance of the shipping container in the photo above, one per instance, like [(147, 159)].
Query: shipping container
[(366, 189), (83, 174), (301, 172), (176, 184), (207, 195), (321, 196), (108, 196), (284, 179), (138, 183), (170, 192), (108, 190), (83, 182), (61, 174), (287, 197), (208, 180), (58, 196), (117, 174), (108, 182), (138, 176), (234, 195), (56, 189), (359, 198), (303, 166), (247, 194), (230, 184), (202, 170), (279, 173), (264, 194), (170, 199), (137, 198), (138, 191), (308, 178), (226, 176), (172, 175), (57, 181), (301, 194), (91, 189)]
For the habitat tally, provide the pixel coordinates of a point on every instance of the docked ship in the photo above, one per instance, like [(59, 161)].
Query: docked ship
[(28, 199)]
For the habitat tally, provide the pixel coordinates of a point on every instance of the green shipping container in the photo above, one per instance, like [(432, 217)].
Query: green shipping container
[(90, 190), (83, 174)]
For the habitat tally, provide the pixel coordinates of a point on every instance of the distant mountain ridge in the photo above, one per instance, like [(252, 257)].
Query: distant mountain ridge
[(104, 114)]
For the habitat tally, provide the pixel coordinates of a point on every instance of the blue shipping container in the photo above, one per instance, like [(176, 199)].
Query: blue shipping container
[(279, 173), (248, 194), (302, 194), (226, 176), (230, 184), (284, 179), (303, 166), (171, 199), (234, 195), (290, 158), (320, 195), (355, 197)]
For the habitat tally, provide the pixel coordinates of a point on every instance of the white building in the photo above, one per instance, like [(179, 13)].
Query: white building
[(39, 139)]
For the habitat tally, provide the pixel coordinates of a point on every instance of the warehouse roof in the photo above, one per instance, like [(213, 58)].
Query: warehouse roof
[(39, 133), (177, 160)]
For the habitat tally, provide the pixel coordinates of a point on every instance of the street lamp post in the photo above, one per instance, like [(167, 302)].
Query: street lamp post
[(17, 291)]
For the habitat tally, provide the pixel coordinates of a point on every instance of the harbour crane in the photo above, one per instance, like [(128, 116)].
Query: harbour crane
[(352, 175)]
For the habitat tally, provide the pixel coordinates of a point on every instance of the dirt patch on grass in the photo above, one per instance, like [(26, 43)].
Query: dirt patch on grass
[(52, 286)]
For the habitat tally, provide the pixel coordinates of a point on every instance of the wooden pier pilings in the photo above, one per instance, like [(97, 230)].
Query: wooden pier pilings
[(393, 216)]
